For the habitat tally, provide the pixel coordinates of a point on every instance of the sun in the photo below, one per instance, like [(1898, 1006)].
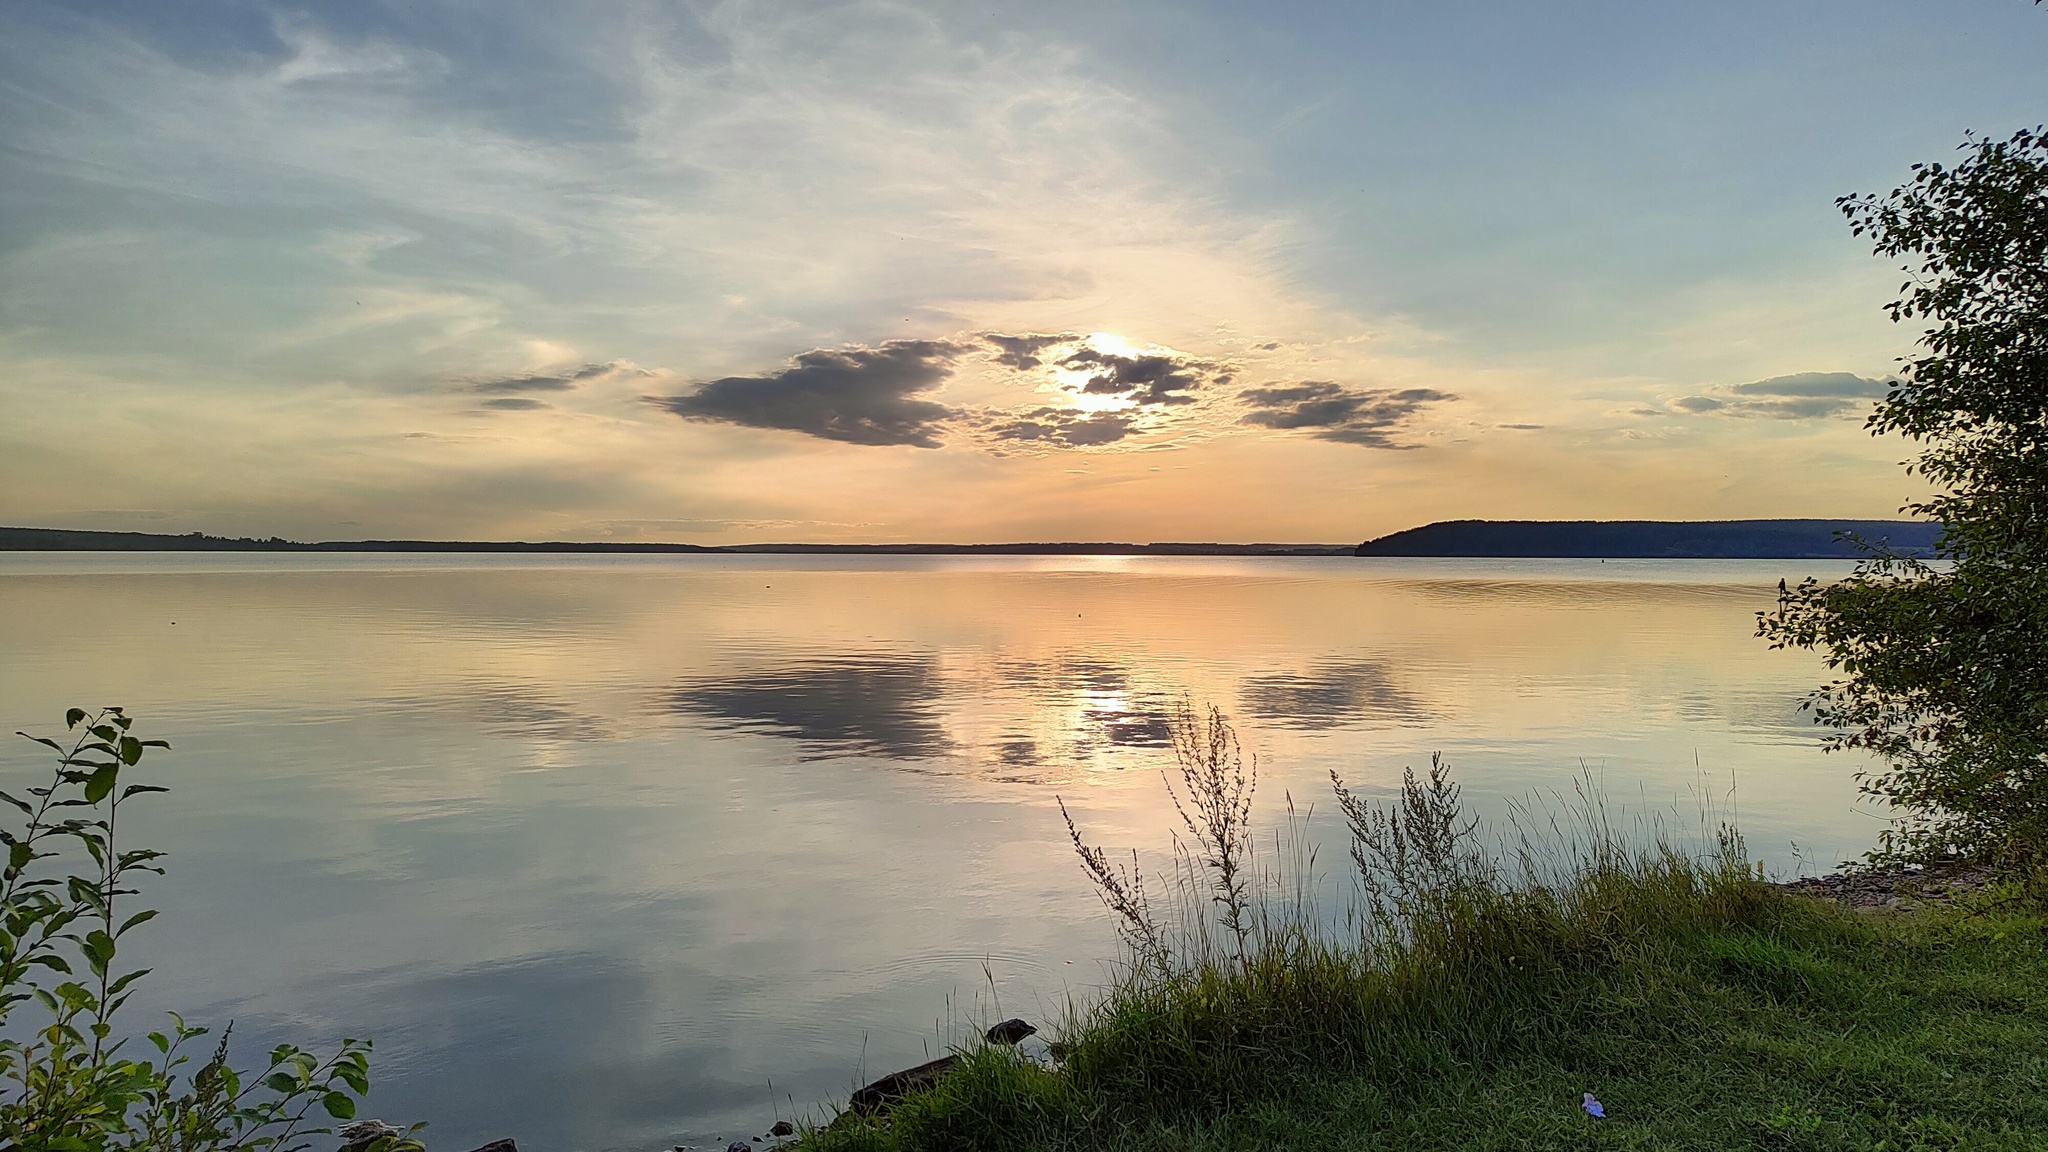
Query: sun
[(1072, 380)]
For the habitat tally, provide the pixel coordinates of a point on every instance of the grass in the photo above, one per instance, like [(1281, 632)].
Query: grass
[(1473, 1004)]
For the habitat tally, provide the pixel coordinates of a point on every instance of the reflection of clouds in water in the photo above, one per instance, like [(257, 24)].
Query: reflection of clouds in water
[(1775, 714), (1113, 713), (519, 713), (1125, 729), (916, 707), (1329, 696), (470, 1033), (513, 712), (1016, 752), (879, 705)]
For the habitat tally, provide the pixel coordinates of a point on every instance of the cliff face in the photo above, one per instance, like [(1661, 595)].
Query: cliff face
[(1668, 539)]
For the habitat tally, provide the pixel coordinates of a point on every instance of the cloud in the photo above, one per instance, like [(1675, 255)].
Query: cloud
[(871, 395), (1364, 416), (857, 395), (1801, 396), (1021, 352), (1147, 379), (1067, 428), (516, 404), (514, 384)]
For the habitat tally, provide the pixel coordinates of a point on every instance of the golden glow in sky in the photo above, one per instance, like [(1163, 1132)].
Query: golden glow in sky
[(915, 272)]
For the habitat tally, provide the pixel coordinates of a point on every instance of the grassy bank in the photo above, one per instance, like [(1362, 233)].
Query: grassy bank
[(1472, 1003)]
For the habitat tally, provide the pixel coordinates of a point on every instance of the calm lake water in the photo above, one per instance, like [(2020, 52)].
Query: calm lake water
[(636, 852)]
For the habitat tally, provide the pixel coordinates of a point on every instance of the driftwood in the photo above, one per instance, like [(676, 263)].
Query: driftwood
[(895, 1086)]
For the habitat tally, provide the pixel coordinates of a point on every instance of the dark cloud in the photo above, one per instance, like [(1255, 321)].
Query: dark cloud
[(566, 383), (1149, 379), (1021, 352), (1815, 384), (1802, 396), (1520, 427), (1328, 696), (516, 403), (861, 705), (855, 395), (1066, 428), (1365, 416)]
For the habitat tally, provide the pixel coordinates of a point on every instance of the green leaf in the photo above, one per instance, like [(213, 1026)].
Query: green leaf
[(99, 950), (74, 717), (19, 855), (147, 914), (282, 1083), (339, 1106), (100, 783), (131, 750), (126, 980)]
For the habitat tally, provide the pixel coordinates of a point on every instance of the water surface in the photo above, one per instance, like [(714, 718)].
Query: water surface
[(630, 852)]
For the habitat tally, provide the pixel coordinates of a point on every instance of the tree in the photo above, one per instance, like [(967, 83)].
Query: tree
[(1944, 666)]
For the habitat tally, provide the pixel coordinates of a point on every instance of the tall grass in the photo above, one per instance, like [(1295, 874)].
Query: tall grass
[(1458, 945)]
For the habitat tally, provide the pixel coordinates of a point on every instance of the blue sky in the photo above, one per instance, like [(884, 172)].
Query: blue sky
[(720, 272)]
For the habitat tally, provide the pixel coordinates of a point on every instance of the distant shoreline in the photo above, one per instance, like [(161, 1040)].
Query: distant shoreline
[(67, 540), (1559, 539)]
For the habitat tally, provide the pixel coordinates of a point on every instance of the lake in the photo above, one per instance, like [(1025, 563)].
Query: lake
[(632, 852)]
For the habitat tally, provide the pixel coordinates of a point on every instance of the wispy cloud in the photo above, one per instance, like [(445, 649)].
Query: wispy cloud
[(542, 383)]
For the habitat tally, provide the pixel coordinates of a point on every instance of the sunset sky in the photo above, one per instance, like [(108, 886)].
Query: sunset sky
[(1032, 271)]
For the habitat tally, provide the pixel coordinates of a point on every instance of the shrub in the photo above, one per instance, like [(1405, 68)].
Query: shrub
[(69, 1083)]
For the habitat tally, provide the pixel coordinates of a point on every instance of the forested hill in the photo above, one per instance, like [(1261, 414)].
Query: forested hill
[(1670, 539), (67, 540)]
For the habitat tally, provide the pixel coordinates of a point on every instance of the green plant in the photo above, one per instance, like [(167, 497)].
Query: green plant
[(68, 1084), (1944, 667), (1492, 983)]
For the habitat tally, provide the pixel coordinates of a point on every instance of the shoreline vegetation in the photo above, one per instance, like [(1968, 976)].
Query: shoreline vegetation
[(1811, 539), (1563, 983), (1569, 979)]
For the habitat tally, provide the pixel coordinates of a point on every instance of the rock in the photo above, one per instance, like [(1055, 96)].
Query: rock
[(739, 1146), (896, 1085), (1010, 1031), (1896, 888), (499, 1146), (358, 1137), (782, 1128)]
